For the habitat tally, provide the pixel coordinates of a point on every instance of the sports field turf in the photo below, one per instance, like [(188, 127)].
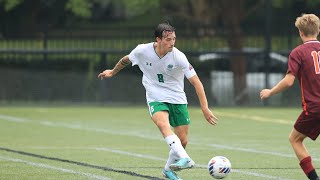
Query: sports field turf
[(122, 143)]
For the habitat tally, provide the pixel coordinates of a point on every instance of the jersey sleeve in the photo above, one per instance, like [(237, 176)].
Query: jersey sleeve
[(134, 55), (187, 68), (294, 63)]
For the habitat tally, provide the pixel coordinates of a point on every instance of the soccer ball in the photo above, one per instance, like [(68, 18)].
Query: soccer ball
[(219, 167)]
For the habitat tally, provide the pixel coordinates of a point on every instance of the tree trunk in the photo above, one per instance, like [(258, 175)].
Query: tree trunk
[(232, 23)]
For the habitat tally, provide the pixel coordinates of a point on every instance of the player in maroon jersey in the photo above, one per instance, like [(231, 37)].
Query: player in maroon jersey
[(303, 64)]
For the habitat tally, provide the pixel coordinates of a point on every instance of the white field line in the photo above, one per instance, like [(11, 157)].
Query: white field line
[(253, 174), (137, 134), (140, 135), (197, 165), (253, 151), (89, 175), (145, 156), (14, 119), (256, 118)]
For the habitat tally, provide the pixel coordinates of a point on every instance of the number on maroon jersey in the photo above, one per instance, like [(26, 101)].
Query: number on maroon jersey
[(316, 56)]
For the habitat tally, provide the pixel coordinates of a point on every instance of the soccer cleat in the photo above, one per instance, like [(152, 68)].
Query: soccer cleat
[(170, 175), (183, 163)]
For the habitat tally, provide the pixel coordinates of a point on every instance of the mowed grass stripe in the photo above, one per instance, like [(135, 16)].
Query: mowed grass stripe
[(257, 118), (197, 165), (41, 165), (151, 157), (78, 163), (232, 134), (139, 135)]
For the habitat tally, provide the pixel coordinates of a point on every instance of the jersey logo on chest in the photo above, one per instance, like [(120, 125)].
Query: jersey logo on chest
[(170, 67)]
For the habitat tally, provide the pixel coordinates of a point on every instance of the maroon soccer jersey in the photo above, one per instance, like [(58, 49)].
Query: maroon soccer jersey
[(304, 64)]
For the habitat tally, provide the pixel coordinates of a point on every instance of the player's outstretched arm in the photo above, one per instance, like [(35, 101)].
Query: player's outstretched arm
[(285, 83), (195, 81), (123, 62)]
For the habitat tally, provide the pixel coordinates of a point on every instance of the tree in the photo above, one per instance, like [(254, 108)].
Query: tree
[(28, 18), (22, 17), (228, 14), (32, 17)]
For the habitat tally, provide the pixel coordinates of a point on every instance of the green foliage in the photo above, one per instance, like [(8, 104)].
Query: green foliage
[(81, 8), (313, 4), (10, 4), (280, 3), (138, 7), (285, 3)]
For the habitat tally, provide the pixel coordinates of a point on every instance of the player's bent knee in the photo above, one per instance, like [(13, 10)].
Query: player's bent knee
[(294, 139), (162, 124), (290, 139)]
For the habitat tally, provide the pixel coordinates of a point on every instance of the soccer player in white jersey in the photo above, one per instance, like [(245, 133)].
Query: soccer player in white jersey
[(164, 68)]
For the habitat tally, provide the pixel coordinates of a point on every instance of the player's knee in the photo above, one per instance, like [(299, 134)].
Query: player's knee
[(294, 139), (290, 138), (161, 124)]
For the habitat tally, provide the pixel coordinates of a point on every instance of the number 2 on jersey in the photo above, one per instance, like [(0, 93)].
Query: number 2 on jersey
[(316, 56)]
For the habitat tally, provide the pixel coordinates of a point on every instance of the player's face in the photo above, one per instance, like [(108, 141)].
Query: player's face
[(168, 40)]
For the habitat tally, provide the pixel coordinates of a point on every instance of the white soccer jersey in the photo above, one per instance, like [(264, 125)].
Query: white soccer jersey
[(163, 78)]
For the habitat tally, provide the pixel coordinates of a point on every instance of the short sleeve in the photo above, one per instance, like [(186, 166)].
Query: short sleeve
[(187, 68), (294, 63), (134, 55)]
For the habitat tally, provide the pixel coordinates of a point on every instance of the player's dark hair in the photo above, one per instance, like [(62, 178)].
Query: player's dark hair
[(163, 27)]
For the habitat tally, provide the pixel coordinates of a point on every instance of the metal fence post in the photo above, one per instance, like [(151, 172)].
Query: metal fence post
[(104, 94), (268, 44)]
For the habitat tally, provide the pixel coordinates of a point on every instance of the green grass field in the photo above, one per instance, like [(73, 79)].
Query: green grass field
[(123, 143)]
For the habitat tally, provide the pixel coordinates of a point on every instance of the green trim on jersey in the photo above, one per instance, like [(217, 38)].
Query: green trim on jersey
[(178, 113)]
